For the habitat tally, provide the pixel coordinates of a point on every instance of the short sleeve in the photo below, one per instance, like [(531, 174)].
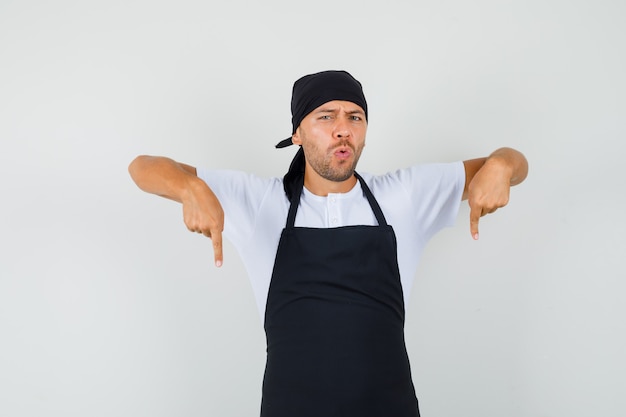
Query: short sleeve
[(432, 194), (435, 191), (240, 194)]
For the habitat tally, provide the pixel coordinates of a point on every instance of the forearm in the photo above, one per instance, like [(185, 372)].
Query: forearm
[(163, 176)]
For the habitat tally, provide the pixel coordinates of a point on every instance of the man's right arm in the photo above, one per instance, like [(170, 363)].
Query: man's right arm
[(202, 211)]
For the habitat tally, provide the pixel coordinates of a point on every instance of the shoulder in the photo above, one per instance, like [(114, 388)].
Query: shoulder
[(234, 176), (418, 177), (243, 188), (237, 180)]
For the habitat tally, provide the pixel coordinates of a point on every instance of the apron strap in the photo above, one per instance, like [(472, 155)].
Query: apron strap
[(295, 201), (380, 217)]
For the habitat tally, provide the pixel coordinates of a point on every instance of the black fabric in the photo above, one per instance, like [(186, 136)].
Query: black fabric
[(334, 323), (295, 174)]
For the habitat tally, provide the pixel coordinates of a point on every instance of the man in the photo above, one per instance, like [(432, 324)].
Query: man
[(330, 253)]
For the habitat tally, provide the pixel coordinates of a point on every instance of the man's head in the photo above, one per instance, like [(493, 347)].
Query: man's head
[(313, 90), (329, 119)]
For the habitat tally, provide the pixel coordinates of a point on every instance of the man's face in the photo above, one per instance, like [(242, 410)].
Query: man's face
[(332, 137)]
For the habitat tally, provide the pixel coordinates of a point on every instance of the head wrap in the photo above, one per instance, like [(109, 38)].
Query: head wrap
[(310, 92)]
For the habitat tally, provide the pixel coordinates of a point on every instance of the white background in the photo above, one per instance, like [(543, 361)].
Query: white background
[(110, 307)]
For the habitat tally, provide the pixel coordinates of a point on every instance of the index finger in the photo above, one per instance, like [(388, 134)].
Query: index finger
[(216, 238), (475, 214)]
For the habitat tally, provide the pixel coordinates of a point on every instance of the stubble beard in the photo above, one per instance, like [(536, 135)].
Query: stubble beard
[(322, 163)]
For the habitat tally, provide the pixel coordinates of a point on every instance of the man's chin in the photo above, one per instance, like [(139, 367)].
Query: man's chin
[(341, 177)]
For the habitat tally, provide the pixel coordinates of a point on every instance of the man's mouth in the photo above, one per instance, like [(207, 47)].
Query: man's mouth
[(343, 153)]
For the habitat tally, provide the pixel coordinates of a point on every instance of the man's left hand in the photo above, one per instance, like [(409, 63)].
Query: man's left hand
[(489, 180)]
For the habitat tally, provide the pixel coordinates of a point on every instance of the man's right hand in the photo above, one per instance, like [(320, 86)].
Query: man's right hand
[(203, 213)]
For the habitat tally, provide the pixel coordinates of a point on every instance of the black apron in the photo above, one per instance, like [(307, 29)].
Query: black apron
[(334, 323)]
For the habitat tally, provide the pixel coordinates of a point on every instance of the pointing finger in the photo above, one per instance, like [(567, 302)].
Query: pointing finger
[(475, 214), (216, 237)]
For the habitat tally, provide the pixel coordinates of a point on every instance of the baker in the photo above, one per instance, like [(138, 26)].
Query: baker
[(331, 254)]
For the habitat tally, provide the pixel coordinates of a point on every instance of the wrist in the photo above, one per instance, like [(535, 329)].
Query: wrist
[(190, 186), (501, 162), (516, 162)]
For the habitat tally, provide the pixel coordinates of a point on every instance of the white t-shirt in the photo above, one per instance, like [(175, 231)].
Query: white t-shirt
[(417, 202)]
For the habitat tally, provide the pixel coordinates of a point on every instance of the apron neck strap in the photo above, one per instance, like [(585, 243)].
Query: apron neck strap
[(380, 217), (295, 201)]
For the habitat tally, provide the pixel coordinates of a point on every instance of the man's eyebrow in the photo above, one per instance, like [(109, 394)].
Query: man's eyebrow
[(333, 110)]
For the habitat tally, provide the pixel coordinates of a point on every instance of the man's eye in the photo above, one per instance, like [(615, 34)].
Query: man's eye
[(356, 118), (325, 117)]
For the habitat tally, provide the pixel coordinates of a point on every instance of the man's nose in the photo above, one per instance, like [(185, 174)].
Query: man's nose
[(341, 129)]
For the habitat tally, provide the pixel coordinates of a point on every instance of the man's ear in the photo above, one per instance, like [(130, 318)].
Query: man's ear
[(295, 138)]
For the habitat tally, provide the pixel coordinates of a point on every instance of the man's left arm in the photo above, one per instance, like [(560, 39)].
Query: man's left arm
[(488, 182)]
